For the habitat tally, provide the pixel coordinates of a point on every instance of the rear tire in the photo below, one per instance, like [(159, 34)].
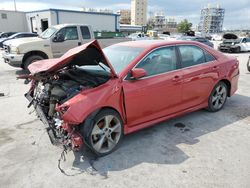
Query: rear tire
[(104, 132), (31, 60), (218, 97)]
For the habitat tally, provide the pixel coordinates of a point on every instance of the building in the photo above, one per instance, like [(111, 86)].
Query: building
[(12, 21), (40, 20), (211, 20), (171, 25), (159, 22), (139, 12), (127, 29), (125, 16)]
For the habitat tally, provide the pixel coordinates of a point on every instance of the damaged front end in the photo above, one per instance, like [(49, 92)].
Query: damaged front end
[(45, 97), (56, 81)]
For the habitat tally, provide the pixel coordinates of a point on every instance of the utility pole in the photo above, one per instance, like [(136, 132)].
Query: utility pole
[(15, 4)]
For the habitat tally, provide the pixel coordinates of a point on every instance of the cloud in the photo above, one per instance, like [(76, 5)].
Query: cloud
[(237, 12)]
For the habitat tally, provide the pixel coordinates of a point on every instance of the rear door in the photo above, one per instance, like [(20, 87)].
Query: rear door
[(71, 39), (200, 72), (158, 93)]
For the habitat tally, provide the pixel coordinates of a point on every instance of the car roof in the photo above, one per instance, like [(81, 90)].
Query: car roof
[(65, 25), (149, 44)]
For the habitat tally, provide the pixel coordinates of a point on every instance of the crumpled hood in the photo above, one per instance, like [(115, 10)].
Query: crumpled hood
[(86, 54), (23, 41)]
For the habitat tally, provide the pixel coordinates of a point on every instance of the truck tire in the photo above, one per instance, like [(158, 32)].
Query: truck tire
[(31, 60)]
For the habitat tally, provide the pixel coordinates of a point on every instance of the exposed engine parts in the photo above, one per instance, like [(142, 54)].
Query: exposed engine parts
[(51, 91)]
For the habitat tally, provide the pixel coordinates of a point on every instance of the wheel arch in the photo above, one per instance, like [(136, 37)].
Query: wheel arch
[(36, 52), (95, 112), (228, 84)]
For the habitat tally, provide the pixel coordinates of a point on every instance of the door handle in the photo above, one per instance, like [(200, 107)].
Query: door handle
[(79, 43), (177, 78)]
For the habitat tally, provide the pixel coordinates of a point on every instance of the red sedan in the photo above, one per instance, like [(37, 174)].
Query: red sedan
[(96, 96)]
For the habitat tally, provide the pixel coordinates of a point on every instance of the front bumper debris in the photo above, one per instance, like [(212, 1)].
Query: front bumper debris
[(73, 140)]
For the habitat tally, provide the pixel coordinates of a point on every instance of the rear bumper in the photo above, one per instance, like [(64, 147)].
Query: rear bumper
[(234, 84), (14, 60)]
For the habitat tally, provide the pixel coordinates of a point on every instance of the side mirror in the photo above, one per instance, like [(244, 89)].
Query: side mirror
[(138, 73), (58, 38)]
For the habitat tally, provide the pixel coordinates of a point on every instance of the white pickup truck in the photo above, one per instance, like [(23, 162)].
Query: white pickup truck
[(52, 43)]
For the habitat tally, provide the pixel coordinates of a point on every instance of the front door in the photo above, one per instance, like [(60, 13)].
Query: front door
[(158, 93), (71, 39)]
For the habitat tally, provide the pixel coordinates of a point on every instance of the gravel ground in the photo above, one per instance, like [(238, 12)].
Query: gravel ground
[(200, 149)]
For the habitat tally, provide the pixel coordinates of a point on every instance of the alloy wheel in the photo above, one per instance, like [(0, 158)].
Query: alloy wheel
[(106, 134), (219, 96)]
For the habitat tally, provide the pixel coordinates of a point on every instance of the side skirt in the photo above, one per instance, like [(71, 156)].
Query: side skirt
[(131, 129)]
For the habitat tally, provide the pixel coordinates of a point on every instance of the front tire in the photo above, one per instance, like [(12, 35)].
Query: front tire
[(31, 60), (218, 97), (238, 49), (105, 132)]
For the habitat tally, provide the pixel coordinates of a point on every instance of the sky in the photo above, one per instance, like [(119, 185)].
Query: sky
[(237, 14)]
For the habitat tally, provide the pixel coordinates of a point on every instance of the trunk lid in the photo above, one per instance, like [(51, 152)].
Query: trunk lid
[(86, 54)]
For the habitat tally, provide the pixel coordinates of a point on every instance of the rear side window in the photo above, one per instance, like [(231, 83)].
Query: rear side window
[(208, 57), (85, 32), (191, 55)]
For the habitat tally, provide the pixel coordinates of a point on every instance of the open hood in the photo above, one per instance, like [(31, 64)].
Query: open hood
[(86, 54), (230, 36)]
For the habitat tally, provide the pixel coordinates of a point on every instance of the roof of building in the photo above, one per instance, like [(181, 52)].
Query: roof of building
[(74, 11)]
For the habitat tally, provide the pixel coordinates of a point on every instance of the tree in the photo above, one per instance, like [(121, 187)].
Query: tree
[(184, 26)]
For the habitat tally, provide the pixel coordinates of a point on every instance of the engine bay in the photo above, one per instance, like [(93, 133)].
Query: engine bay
[(65, 84)]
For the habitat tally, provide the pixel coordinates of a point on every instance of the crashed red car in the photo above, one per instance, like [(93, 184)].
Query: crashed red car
[(96, 96)]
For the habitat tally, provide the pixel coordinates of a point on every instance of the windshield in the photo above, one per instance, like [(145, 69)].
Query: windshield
[(48, 33), (121, 56)]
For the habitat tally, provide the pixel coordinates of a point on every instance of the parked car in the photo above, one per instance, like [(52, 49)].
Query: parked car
[(6, 34), (52, 43), (163, 36), (138, 36), (235, 45), (198, 39), (94, 96), (16, 36)]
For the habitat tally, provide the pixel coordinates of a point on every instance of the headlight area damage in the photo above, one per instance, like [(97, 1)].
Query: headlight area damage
[(56, 81)]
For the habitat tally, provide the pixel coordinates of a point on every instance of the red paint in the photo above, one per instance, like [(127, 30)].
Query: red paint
[(138, 73), (144, 102)]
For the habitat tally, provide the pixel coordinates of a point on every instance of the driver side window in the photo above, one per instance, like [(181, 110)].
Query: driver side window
[(159, 61), (69, 33)]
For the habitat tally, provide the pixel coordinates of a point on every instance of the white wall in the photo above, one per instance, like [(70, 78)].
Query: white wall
[(15, 21), (97, 21), (50, 15)]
